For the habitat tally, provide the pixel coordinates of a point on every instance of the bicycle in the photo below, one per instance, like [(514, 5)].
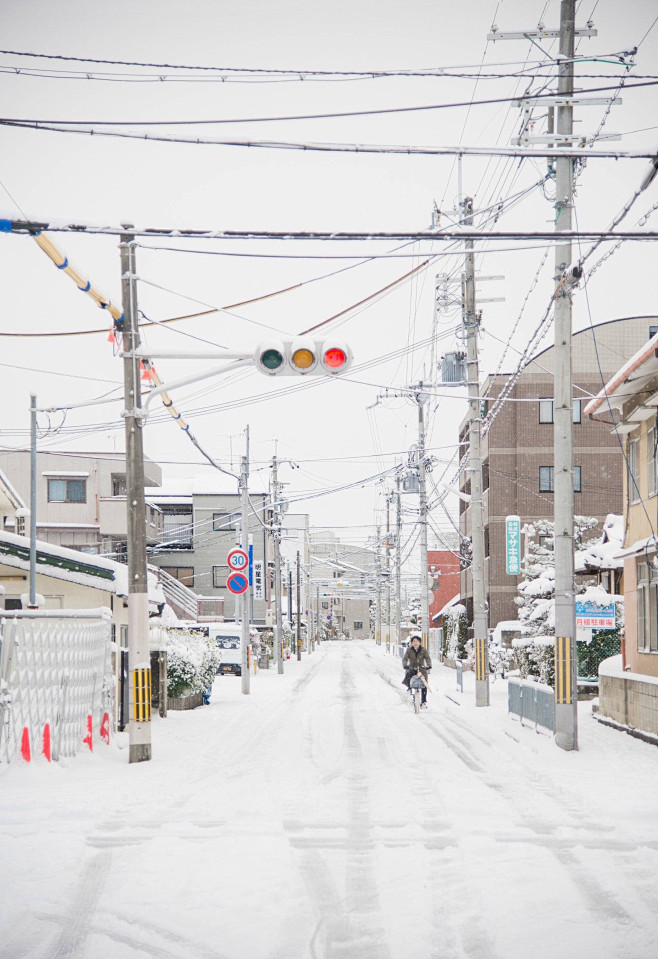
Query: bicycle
[(416, 684)]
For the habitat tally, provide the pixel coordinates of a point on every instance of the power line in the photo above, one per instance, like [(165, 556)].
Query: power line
[(314, 147)]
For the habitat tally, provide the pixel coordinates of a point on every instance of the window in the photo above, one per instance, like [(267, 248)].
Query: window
[(67, 491), (546, 411), (652, 460), (119, 484), (634, 470), (184, 574), (325, 605), (177, 529), (219, 576), (222, 521), (358, 624), (647, 608), (545, 479)]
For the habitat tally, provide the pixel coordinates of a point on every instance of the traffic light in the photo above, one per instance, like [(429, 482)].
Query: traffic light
[(300, 357)]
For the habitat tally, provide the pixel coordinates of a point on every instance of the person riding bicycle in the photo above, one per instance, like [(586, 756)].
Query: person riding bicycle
[(416, 658)]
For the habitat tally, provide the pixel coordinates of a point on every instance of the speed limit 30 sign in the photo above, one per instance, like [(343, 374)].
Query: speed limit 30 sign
[(237, 560)]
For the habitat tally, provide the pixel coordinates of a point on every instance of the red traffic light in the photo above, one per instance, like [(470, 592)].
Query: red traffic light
[(334, 358)]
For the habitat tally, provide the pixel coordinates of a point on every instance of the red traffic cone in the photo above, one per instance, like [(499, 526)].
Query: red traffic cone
[(46, 741), (25, 745), (89, 737), (105, 728)]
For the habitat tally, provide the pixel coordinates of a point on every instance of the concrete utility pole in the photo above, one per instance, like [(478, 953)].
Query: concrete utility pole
[(245, 598), (299, 610), (139, 656), (317, 614), (398, 557), (421, 400), (471, 323), (32, 601), (566, 698), (276, 521), (378, 574), (388, 573)]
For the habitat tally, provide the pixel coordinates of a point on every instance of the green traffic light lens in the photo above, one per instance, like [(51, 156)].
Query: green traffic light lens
[(271, 359)]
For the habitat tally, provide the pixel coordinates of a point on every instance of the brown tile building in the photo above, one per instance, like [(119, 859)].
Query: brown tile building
[(517, 451)]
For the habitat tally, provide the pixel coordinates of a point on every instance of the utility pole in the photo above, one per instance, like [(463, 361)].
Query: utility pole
[(317, 614), (388, 573), (378, 574), (421, 400), (398, 557), (566, 699), (139, 657), (245, 599), (299, 610), (32, 603), (276, 521), (471, 322)]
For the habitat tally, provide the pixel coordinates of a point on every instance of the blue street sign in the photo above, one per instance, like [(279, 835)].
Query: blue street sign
[(238, 582)]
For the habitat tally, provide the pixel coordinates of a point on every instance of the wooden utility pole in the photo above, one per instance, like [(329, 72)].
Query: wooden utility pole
[(139, 656)]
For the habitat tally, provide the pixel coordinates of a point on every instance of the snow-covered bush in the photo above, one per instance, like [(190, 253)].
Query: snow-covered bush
[(535, 658), (455, 632), (192, 662)]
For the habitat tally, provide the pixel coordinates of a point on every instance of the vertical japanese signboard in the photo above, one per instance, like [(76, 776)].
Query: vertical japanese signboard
[(513, 545), (259, 582)]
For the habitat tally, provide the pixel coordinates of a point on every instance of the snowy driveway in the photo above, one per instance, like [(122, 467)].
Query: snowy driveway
[(319, 817)]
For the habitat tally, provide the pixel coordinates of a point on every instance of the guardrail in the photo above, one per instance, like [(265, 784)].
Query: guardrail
[(532, 701)]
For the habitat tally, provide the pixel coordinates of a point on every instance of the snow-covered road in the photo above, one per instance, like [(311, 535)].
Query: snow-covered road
[(319, 817)]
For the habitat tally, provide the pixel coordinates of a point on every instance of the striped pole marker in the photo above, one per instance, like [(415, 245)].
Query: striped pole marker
[(480, 659), (142, 695), (563, 684)]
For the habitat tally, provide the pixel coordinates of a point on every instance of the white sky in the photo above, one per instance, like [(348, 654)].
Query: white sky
[(103, 180)]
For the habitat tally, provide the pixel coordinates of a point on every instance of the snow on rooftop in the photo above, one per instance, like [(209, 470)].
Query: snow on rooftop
[(116, 583)]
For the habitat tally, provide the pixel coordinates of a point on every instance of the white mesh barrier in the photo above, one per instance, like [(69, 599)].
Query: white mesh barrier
[(56, 683)]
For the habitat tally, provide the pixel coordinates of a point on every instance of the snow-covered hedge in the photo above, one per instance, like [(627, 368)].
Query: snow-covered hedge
[(535, 657), (192, 662)]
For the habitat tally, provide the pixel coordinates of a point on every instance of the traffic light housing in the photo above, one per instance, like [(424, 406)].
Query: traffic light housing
[(302, 357)]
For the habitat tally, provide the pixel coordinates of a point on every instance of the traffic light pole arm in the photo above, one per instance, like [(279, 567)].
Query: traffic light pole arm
[(186, 380)]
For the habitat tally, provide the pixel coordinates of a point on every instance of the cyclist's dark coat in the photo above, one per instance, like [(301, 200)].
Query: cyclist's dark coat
[(416, 659)]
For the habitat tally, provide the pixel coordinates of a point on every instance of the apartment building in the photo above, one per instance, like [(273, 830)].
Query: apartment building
[(200, 524), (517, 450), (81, 499)]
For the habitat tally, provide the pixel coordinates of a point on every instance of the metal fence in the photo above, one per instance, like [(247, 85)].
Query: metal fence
[(56, 683), (532, 701)]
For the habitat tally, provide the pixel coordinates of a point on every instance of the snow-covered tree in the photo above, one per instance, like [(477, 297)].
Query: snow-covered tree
[(537, 591)]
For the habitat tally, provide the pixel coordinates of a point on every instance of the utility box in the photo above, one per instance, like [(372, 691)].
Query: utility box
[(410, 483), (453, 369)]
